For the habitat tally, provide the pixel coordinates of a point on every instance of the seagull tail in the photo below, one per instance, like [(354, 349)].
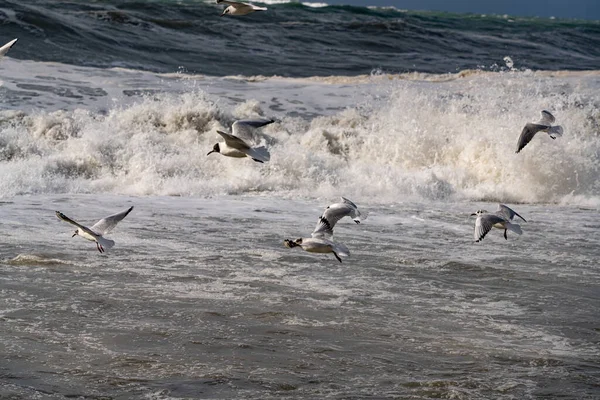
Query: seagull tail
[(516, 228), (106, 243), (341, 249), (260, 153), (555, 131)]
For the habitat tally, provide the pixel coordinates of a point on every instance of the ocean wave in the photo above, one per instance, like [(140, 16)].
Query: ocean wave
[(426, 139), (292, 39)]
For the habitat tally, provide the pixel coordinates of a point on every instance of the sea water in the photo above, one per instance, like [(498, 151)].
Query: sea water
[(200, 298)]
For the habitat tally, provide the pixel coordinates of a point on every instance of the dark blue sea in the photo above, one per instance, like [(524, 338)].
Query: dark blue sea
[(292, 39)]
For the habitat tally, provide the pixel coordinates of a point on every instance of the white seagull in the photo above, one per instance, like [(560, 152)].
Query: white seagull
[(545, 125), (234, 146), (4, 49), (98, 230), (238, 8), (321, 242), (501, 219)]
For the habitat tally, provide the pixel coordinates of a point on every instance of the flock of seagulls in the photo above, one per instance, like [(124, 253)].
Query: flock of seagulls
[(321, 241)]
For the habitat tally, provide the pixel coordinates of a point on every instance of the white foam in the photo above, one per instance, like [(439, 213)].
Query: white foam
[(371, 139)]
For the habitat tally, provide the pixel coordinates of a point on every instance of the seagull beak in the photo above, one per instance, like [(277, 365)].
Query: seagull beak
[(473, 214), (208, 154), (75, 234)]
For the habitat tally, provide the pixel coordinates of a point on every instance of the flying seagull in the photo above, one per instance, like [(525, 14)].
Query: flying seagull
[(98, 230), (321, 242), (4, 49), (501, 219), (238, 8), (545, 125), (234, 146)]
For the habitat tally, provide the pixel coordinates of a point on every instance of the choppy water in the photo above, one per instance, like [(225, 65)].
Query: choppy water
[(291, 39), (200, 299)]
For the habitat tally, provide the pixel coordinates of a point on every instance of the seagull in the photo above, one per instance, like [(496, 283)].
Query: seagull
[(98, 230), (501, 219), (545, 125), (234, 146), (4, 49), (237, 8), (321, 242), (319, 245)]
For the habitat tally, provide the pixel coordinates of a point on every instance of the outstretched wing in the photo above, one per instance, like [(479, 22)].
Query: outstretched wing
[(547, 118), (484, 223), (245, 128), (77, 224), (507, 212), (331, 216), (107, 224), (234, 142), (4, 49), (528, 133), (356, 215)]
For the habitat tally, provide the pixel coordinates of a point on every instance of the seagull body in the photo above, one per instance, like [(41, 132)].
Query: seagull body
[(4, 49), (238, 8), (236, 147), (319, 245), (321, 242), (501, 219), (545, 125), (98, 230)]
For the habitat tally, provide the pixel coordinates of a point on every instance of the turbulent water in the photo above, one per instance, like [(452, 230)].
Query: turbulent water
[(291, 39), (413, 116)]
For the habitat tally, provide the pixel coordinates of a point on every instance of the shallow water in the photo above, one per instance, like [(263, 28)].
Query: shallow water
[(200, 299)]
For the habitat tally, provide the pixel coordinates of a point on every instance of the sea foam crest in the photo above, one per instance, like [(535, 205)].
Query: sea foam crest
[(423, 140)]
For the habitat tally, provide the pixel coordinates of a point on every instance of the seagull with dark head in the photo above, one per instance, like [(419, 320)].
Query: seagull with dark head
[(237, 147), (501, 219), (321, 242), (98, 230)]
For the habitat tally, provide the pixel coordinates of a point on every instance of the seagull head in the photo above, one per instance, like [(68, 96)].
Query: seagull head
[(75, 234), (479, 212), (215, 149), (292, 243), (227, 10)]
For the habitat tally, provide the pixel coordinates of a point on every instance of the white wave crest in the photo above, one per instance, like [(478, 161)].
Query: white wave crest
[(433, 140)]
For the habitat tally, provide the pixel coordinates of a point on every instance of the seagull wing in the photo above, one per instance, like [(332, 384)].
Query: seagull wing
[(234, 142), (330, 217), (77, 224), (107, 224), (484, 223), (244, 128), (507, 212), (528, 133), (547, 118), (4, 49), (356, 215)]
